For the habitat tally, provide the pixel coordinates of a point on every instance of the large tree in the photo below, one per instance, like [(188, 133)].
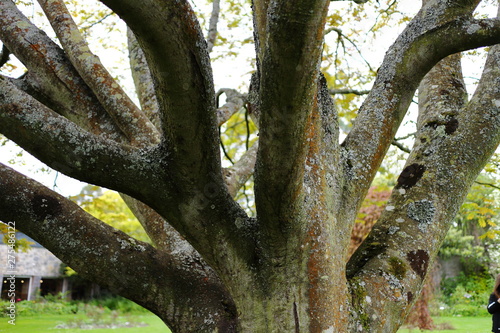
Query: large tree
[(212, 267)]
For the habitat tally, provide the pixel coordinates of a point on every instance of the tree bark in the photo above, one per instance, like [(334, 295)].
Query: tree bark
[(212, 268)]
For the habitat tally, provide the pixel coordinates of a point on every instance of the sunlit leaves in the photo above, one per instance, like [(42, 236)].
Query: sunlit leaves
[(19, 245), (108, 206), (478, 214)]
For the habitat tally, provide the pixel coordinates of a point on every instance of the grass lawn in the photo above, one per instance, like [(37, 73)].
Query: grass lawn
[(47, 324), (460, 324)]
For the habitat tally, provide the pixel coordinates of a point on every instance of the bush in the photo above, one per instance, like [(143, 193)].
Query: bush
[(118, 304), (60, 305), (465, 295), (32, 308)]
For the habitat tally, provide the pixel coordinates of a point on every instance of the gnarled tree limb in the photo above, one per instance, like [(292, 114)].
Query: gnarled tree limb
[(143, 81), (421, 208), (288, 81), (409, 59), (212, 25), (115, 260), (234, 103), (52, 79), (61, 143), (128, 117)]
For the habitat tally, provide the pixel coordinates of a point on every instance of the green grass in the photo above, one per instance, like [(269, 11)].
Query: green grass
[(47, 324), (460, 324)]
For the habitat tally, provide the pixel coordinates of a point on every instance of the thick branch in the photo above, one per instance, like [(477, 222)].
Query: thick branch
[(52, 79), (128, 117), (237, 175), (142, 80), (63, 145), (114, 259), (288, 91), (442, 93), (201, 209), (431, 36), (348, 91), (212, 25), (234, 102), (181, 70), (400, 249)]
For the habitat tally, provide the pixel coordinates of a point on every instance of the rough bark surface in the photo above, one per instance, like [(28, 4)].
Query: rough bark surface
[(212, 268)]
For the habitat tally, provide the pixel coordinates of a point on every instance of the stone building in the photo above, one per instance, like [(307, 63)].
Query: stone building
[(35, 272)]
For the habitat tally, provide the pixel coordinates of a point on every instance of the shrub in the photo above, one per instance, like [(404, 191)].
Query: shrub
[(60, 305), (119, 304), (465, 295)]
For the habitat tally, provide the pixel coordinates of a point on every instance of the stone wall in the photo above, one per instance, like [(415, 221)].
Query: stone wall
[(37, 261)]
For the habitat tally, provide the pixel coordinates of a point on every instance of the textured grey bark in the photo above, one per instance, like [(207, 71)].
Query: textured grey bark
[(212, 268)]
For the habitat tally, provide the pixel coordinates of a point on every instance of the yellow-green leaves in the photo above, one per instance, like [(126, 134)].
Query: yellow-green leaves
[(109, 207)]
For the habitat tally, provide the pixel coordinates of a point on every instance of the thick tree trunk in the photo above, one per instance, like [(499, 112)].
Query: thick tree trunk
[(212, 268)]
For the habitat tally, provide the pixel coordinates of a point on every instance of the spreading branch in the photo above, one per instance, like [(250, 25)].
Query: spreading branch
[(234, 102), (62, 144), (128, 117), (421, 205), (51, 78), (181, 70), (112, 258), (143, 81), (212, 25), (288, 87), (403, 67), (237, 175)]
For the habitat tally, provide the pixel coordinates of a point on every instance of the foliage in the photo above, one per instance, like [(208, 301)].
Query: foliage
[(456, 243), (110, 208), (20, 244), (59, 304), (465, 295), (370, 211), (117, 303), (480, 210)]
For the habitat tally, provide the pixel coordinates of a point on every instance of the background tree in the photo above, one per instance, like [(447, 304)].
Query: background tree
[(211, 266)]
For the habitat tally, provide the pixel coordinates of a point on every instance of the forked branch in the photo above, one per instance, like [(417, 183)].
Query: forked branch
[(129, 118)]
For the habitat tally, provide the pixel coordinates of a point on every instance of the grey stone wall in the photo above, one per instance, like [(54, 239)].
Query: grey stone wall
[(37, 261)]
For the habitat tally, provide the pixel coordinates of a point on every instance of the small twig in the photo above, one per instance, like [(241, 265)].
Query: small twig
[(247, 142), (55, 181), (97, 22), (224, 149), (341, 35), (406, 136), (400, 146), (348, 91), (487, 184), (385, 11)]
